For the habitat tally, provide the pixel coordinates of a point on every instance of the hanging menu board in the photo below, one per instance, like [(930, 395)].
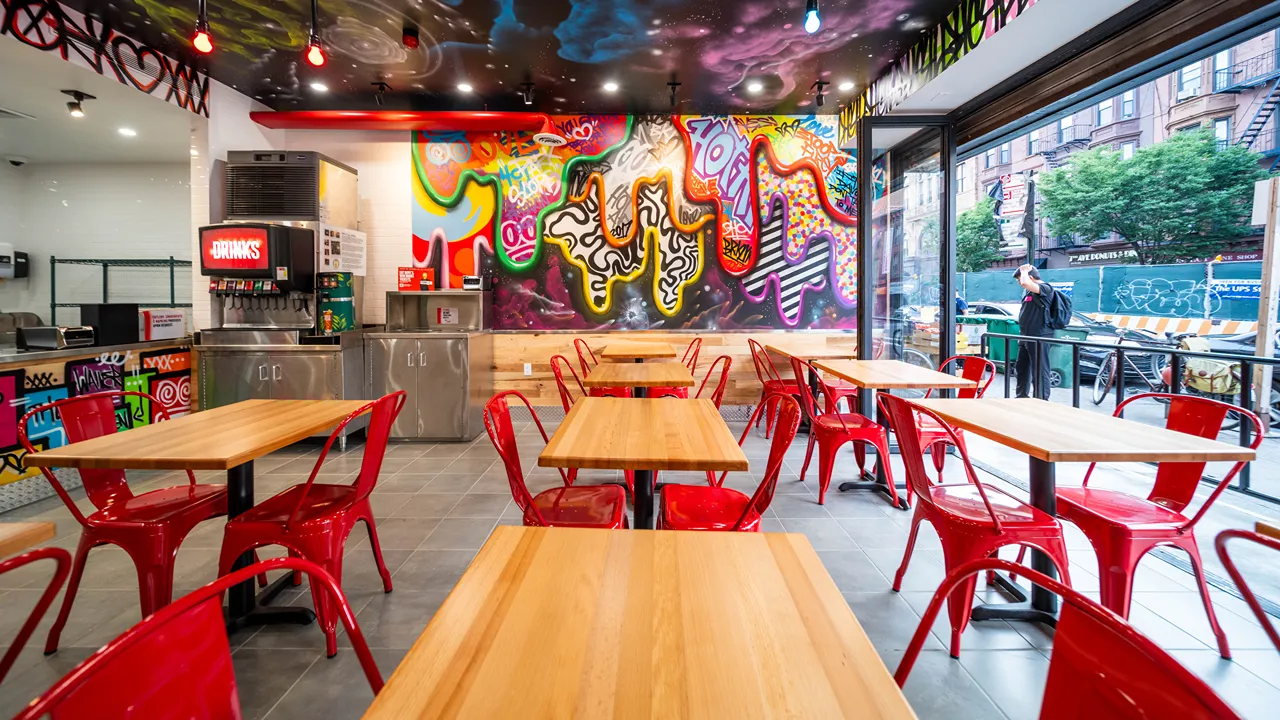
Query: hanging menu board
[(341, 250)]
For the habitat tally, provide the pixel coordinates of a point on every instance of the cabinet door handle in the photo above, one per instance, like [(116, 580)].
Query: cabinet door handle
[(409, 361), (422, 359), (275, 372), (262, 373)]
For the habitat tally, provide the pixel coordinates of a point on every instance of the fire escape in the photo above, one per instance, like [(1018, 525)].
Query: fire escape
[(1262, 71)]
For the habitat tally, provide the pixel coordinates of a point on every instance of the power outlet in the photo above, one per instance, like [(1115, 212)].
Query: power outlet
[(528, 369)]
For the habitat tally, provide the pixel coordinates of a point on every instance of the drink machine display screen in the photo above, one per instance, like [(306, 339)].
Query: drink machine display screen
[(277, 257), (229, 249)]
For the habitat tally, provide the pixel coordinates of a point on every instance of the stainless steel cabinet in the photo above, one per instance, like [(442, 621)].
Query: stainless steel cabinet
[(232, 377), (446, 376), (442, 388), (305, 376), (393, 367)]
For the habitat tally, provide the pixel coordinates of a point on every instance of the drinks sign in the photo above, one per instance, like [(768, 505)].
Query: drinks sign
[(234, 248)]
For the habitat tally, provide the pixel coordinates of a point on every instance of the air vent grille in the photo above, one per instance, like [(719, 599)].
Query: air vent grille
[(272, 191)]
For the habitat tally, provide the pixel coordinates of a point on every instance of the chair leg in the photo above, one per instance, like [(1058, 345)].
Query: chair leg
[(882, 460), (906, 555), (808, 453), (826, 466), (860, 457), (1116, 565), (73, 584), (377, 553), (1188, 544), (958, 549), (771, 415), (938, 454), (155, 586), (326, 610)]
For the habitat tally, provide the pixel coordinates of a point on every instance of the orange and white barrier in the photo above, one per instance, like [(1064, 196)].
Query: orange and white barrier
[(1162, 325)]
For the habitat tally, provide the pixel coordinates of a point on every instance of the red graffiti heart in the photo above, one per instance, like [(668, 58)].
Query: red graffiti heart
[(131, 59)]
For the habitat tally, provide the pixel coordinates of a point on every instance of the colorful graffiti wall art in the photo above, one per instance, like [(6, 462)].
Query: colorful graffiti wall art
[(704, 222), (164, 374)]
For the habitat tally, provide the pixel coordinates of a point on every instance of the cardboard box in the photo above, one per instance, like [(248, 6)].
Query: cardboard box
[(166, 324)]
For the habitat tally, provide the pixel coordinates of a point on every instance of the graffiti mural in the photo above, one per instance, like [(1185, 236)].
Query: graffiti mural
[(164, 374), (698, 221), (88, 41)]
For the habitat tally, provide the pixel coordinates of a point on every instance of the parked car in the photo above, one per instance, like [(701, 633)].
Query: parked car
[(1099, 332)]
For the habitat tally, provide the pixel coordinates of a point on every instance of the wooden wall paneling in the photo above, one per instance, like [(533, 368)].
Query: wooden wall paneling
[(512, 350)]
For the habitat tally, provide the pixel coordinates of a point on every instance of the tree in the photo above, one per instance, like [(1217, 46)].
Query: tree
[(1177, 200), (977, 237)]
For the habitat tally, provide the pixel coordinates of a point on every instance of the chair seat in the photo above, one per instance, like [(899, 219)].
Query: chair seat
[(613, 392), (963, 500), (853, 421), (164, 504), (1115, 508), (602, 506), (696, 507), (668, 392), (322, 501), (931, 431)]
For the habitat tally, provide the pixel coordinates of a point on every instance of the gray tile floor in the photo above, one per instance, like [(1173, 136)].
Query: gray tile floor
[(436, 505)]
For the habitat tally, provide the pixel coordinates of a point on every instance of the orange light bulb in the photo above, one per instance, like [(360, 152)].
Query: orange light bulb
[(202, 42), (315, 55)]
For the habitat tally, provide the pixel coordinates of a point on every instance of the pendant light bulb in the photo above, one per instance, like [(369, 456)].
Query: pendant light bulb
[(812, 23), (201, 40), (315, 51)]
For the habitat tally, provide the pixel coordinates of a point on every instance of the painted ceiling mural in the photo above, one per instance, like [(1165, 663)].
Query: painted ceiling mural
[(567, 48), (648, 221)]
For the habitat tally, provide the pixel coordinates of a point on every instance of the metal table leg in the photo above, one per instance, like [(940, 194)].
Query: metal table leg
[(243, 607), (1043, 606), (643, 497), (879, 480)]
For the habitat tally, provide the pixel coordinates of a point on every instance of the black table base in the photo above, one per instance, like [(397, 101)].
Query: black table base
[(1020, 609), (244, 608)]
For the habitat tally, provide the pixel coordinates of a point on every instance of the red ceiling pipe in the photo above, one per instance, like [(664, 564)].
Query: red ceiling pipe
[(470, 121)]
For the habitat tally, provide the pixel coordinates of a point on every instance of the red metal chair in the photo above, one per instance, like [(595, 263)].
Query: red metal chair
[(690, 361), (772, 386), (722, 384), (585, 353), (831, 429), (559, 364), (313, 520), (1101, 666), (176, 664), (592, 506), (1123, 527), (149, 527), (973, 520), (1220, 543), (694, 507), (977, 369), (62, 566)]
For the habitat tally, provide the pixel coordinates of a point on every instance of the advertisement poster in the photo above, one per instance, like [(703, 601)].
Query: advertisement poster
[(341, 250)]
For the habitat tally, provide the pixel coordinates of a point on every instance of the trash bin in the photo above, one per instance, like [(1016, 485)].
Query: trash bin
[(997, 324), (1060, 356)]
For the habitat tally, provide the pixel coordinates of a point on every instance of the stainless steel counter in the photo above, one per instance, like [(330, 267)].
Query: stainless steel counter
[(10, 354)]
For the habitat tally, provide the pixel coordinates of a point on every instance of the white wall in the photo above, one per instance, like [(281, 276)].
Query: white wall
[(110, 211)]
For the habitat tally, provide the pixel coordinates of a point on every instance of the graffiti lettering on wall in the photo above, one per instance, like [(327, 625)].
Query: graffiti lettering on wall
[(956, 36), (710, 222), (91, 43), (1175, 298), (163, 374)]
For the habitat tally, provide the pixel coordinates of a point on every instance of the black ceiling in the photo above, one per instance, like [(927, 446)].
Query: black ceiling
[(568, 48)]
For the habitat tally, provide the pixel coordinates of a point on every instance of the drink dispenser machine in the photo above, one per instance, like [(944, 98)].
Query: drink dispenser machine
[(261, 275)]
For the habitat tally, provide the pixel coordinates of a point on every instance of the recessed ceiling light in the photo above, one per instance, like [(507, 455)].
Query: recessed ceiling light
[(195, 152), (319, 87), (464, 87), (903, 16), (755, 86), (611, 86), (854, 35), (846, 86), (128, 132)]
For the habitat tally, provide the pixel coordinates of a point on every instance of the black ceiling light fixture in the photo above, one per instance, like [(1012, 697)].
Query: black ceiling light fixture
[(821, 87), (315, 50), (380, 96), (812, 21), (674, 87), (526, 92), (76, 106), (201, 40)]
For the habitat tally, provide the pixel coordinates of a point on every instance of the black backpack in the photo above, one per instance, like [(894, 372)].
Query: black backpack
[(1058, 315)]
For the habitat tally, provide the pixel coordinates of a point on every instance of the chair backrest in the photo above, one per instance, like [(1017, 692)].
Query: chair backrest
[(85, 417), (973, 368), (177, 662), (690, 358), (1101, 666), (808, 403), (497, 422), (765, 370), (717, 395), (559, 365), (784, 433), (581, 347), (62, 566), (904, 418), (1245, 591), (1176, 482)]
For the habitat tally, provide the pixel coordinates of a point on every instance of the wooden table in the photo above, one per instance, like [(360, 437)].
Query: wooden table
[(18, 536), (639, 377), (227, 438), (576, 623), (1262, 528), (877, 375), (1051, 433), (643, 435), (625, 350)]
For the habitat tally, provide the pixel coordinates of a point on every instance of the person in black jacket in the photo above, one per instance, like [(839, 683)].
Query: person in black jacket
[(1033, 320)]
